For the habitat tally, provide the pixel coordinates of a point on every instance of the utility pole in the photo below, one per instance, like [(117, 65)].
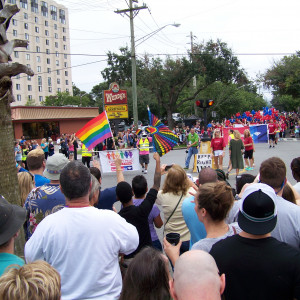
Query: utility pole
[(131, 16), (194, 78)]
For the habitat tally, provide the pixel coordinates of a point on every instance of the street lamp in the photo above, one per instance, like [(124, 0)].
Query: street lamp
[(133, 65)]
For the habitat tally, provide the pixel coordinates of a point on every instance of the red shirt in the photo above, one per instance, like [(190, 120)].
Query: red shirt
[(248, 140), (272, 128), (217, 144)]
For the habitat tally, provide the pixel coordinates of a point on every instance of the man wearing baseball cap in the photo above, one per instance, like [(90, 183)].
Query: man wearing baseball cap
[(256, 265), (12, 218), (48, 198)]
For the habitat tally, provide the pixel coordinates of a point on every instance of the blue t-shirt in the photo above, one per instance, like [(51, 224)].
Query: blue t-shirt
[(7, 259), (196, 227), (107, 198), (40, 180), (46, 148)]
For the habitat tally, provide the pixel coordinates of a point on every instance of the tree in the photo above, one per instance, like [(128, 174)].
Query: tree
[(9, 186), (284, 78), (64, 98), (30, 102), (170, 81)]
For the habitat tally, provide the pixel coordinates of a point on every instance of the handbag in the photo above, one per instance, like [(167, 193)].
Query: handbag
[(170, 216)]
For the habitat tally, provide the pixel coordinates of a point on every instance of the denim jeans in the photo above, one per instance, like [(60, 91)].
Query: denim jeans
[(192, 151)]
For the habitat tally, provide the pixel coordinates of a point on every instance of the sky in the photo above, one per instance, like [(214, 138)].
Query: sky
[(259, 32)]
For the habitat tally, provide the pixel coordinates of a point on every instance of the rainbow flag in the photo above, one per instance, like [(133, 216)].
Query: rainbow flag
[(95, 131)]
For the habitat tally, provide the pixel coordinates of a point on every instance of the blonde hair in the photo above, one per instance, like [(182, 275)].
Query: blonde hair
[(26, 184), (216, 131), (237, 135), (176, 181), (37, 280), (247, 133), (43, 140)]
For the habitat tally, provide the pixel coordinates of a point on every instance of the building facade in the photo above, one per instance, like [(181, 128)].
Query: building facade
[(45, 25)]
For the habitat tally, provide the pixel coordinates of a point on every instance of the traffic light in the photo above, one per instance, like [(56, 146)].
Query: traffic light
[(204, 103)]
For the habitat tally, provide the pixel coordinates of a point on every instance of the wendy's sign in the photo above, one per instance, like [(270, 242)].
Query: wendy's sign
[(114, 95)]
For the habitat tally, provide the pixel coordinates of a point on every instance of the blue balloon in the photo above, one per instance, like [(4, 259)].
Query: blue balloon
[(209, 125), (253, 112), (270, 113)]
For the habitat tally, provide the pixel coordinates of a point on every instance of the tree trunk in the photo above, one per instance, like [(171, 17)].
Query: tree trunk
[(169, 118), (9, 186)]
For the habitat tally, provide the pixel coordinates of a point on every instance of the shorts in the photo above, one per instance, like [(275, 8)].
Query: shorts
[(218, 153), (248, 154), (272, 137), (144, 159), (71, 152)]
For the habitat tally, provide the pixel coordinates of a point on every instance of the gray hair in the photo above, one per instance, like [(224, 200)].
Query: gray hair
[(95, 187)]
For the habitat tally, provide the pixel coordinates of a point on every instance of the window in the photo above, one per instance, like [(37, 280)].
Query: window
[(47, 51), (56, 44), (38, 49), (47, 42), (28, 65), (40, 88), (56, 35), (49, 89), (28, 47), (38, 59), (47, 32), (37, 39), (15, 33), (46, 23), (65, 64), (25, 16), (49, 81), (18, 76), (67, 82), (12, 1), (18, 86), (41, 98), (19, 97), (48, 61), (39, 69), (26, 36), (66, 73), (34, 6), (28, 77), (14, 22), (37, 29), (27, 56), (59, 90), (65, 56), (48, 70), (57, 62), (65, 47), (30, 97), (58, 81), (24, 4), (57, 72), (29, 87), (64, 39), (56, 53), (67, 90), (64, 29), (55, 26), (39, 80), (26, 25), (62, 16), (16, 54), (36, 19), (44, 9), (53, 10)]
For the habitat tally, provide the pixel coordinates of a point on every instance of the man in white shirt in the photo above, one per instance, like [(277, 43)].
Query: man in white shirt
[(82, 242)]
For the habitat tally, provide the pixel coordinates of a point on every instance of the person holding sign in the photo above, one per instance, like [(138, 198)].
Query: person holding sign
[(218, 149)]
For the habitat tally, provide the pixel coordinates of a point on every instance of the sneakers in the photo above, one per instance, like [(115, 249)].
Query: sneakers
[(247, 168), (273, 146), (145, 172), (185, 168), (143, 169), (270, 146)]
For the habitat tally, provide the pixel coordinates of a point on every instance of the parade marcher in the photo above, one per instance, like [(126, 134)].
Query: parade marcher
[(192, 146), (249, 148), (218, 148), (236, 147), (272, 129), (143, 145), (86, 155)]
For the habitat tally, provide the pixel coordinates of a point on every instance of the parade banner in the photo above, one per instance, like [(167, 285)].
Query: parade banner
[(226, 132), (129, 157), (259, 133)]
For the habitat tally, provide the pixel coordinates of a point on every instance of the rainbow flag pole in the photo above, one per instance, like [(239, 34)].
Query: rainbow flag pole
[(95, 131)]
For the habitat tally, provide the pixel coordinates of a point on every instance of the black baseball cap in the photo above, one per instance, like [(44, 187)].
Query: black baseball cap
[(258, 213)]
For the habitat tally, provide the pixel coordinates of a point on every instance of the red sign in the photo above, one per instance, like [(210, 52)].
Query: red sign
[(114, 95)]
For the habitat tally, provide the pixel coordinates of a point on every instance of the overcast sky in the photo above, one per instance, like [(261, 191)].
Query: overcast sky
[(249, 28)]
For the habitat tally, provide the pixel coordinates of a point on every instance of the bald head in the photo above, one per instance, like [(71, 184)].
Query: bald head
[(196, 276), (207, 175)]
